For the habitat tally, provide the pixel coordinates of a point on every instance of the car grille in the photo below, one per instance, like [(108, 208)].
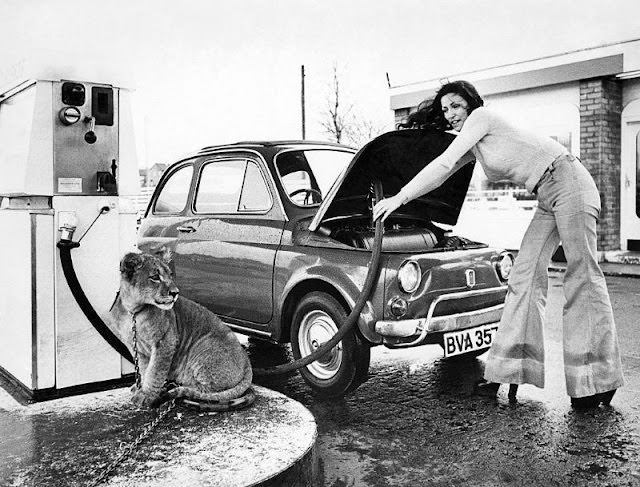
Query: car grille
[(469, 303)]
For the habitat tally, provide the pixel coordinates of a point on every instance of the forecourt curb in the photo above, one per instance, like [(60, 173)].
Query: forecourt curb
[(69, 441), (608, 269)]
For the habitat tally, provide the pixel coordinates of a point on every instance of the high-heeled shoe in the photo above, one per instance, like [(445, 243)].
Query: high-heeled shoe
[(490, 389), (486, 389), (586, 402), (513, 391), (593, 401), (605, 397)]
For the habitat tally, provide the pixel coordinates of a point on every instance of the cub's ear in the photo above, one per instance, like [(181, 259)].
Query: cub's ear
[(163, 253), (130, 263)]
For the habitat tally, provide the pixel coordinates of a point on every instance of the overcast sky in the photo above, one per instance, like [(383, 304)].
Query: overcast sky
[(209, 72)]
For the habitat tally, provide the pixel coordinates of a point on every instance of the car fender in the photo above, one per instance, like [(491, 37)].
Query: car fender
[(306, 279)]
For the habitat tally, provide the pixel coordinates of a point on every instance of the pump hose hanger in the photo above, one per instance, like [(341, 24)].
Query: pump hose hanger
[(66, 245)]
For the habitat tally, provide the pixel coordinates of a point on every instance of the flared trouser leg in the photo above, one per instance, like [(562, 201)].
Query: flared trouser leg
[(568, 207), (517, 353), (590, 344)]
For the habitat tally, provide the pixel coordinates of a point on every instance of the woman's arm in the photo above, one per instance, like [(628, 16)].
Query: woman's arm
[(441, 168), (452, 159)]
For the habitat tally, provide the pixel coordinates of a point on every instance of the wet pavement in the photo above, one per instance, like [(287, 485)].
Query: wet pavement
[(416, 422)]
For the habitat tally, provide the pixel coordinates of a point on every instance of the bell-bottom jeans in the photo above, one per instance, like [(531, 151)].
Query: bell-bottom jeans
[(568, 208)]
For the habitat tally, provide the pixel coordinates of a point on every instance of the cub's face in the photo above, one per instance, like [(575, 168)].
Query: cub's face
[(147, 280)]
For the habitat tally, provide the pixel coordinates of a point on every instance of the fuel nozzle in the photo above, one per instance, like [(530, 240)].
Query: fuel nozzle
[(67, 223)]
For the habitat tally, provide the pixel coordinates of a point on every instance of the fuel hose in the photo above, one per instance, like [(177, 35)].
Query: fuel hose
[(352, 319), (65, 247)]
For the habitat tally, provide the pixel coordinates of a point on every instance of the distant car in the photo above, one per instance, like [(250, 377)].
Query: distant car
[(275, 238)]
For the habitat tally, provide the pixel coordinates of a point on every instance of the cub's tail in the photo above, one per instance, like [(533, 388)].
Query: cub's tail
[(241, 402), (237, 397)]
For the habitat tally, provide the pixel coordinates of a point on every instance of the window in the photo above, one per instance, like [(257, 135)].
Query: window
[(308, 175), (174, 192), (230, 186), (255, 194), (564, 139), (300, 188), (220, 186)]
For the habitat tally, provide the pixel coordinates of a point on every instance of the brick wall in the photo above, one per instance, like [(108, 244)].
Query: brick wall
[(600, 133)]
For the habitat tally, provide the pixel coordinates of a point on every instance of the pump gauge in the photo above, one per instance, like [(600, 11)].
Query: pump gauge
[(69, 115)]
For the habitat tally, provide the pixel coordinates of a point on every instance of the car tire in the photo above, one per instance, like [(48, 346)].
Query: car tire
[(315, 320)]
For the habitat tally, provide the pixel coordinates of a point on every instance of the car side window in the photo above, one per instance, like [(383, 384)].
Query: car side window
[(220, 187), (255, 194), (174, 192)]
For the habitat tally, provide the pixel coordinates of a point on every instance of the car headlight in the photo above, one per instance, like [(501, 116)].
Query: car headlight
[(504, 265), (409, 276)]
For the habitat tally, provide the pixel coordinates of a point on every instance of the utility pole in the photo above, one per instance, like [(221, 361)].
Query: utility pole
[(302, 101)]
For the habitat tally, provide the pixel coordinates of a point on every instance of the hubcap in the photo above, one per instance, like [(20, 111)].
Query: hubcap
[(317, 328)]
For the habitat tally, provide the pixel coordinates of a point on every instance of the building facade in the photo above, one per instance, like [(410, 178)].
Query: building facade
[(588, 100)]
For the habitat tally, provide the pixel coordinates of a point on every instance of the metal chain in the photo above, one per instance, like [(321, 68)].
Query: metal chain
[(127, 450), (147, 431), (135, 350)]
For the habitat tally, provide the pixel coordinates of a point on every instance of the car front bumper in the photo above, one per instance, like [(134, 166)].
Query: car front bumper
[(422, 327)]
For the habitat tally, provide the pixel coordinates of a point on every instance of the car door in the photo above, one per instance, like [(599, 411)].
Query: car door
[(168, 210), (226, 252)]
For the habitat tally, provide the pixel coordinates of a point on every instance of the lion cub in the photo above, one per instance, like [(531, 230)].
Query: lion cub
[(178, 341)]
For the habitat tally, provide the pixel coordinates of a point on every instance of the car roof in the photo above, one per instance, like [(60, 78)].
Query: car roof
[(265, 147), (273, 143)]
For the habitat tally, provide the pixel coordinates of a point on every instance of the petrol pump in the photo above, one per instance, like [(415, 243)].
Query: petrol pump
[(68, 172)]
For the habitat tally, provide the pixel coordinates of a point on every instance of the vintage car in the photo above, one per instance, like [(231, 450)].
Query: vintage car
[(276, 238)]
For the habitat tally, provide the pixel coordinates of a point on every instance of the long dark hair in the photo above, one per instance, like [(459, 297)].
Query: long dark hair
[(429, 112)]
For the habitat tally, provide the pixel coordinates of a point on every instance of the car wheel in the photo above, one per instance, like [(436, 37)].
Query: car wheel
[(315, 320)]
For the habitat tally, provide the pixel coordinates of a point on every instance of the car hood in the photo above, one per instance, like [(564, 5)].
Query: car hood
[(395, 158)]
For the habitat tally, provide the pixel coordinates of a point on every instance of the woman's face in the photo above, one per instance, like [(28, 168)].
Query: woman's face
[(455, 110)]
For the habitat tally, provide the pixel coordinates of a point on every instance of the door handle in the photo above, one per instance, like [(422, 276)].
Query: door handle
[(186, 229)]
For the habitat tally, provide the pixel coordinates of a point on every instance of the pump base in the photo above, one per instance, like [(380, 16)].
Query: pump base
[(269, 444), (23, 395)]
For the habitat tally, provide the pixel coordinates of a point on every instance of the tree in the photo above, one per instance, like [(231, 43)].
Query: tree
[(361, 131), (335, 121), (342, 124)]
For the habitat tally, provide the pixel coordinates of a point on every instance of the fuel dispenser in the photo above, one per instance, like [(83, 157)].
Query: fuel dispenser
[(68, 172)]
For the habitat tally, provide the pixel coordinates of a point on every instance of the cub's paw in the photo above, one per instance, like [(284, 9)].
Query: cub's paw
[(141, 399)]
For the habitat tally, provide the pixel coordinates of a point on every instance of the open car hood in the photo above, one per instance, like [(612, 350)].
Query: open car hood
[(395, 158)]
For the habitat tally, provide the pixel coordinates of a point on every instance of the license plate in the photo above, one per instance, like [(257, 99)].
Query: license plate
[(464, 341)]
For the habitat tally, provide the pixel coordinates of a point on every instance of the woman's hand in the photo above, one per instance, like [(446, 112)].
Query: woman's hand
[(385, 207)]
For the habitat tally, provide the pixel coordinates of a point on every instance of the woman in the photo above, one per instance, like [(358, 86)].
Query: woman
[(568, 208)]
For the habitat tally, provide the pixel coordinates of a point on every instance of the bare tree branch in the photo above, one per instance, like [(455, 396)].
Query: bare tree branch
[(342, 124), (361, 131), (335, 121)]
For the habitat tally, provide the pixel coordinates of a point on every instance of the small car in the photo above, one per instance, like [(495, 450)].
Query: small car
[(276, 238)]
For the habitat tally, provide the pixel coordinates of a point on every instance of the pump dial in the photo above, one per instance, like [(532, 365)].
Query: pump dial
[(69, 115)]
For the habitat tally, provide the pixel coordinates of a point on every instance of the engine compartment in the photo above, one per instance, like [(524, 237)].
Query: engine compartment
[(400, 235)]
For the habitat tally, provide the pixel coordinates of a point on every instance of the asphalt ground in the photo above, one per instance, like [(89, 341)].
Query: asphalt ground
[(417, 422)]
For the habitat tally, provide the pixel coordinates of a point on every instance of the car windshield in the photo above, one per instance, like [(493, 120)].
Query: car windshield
[(307, 175)]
